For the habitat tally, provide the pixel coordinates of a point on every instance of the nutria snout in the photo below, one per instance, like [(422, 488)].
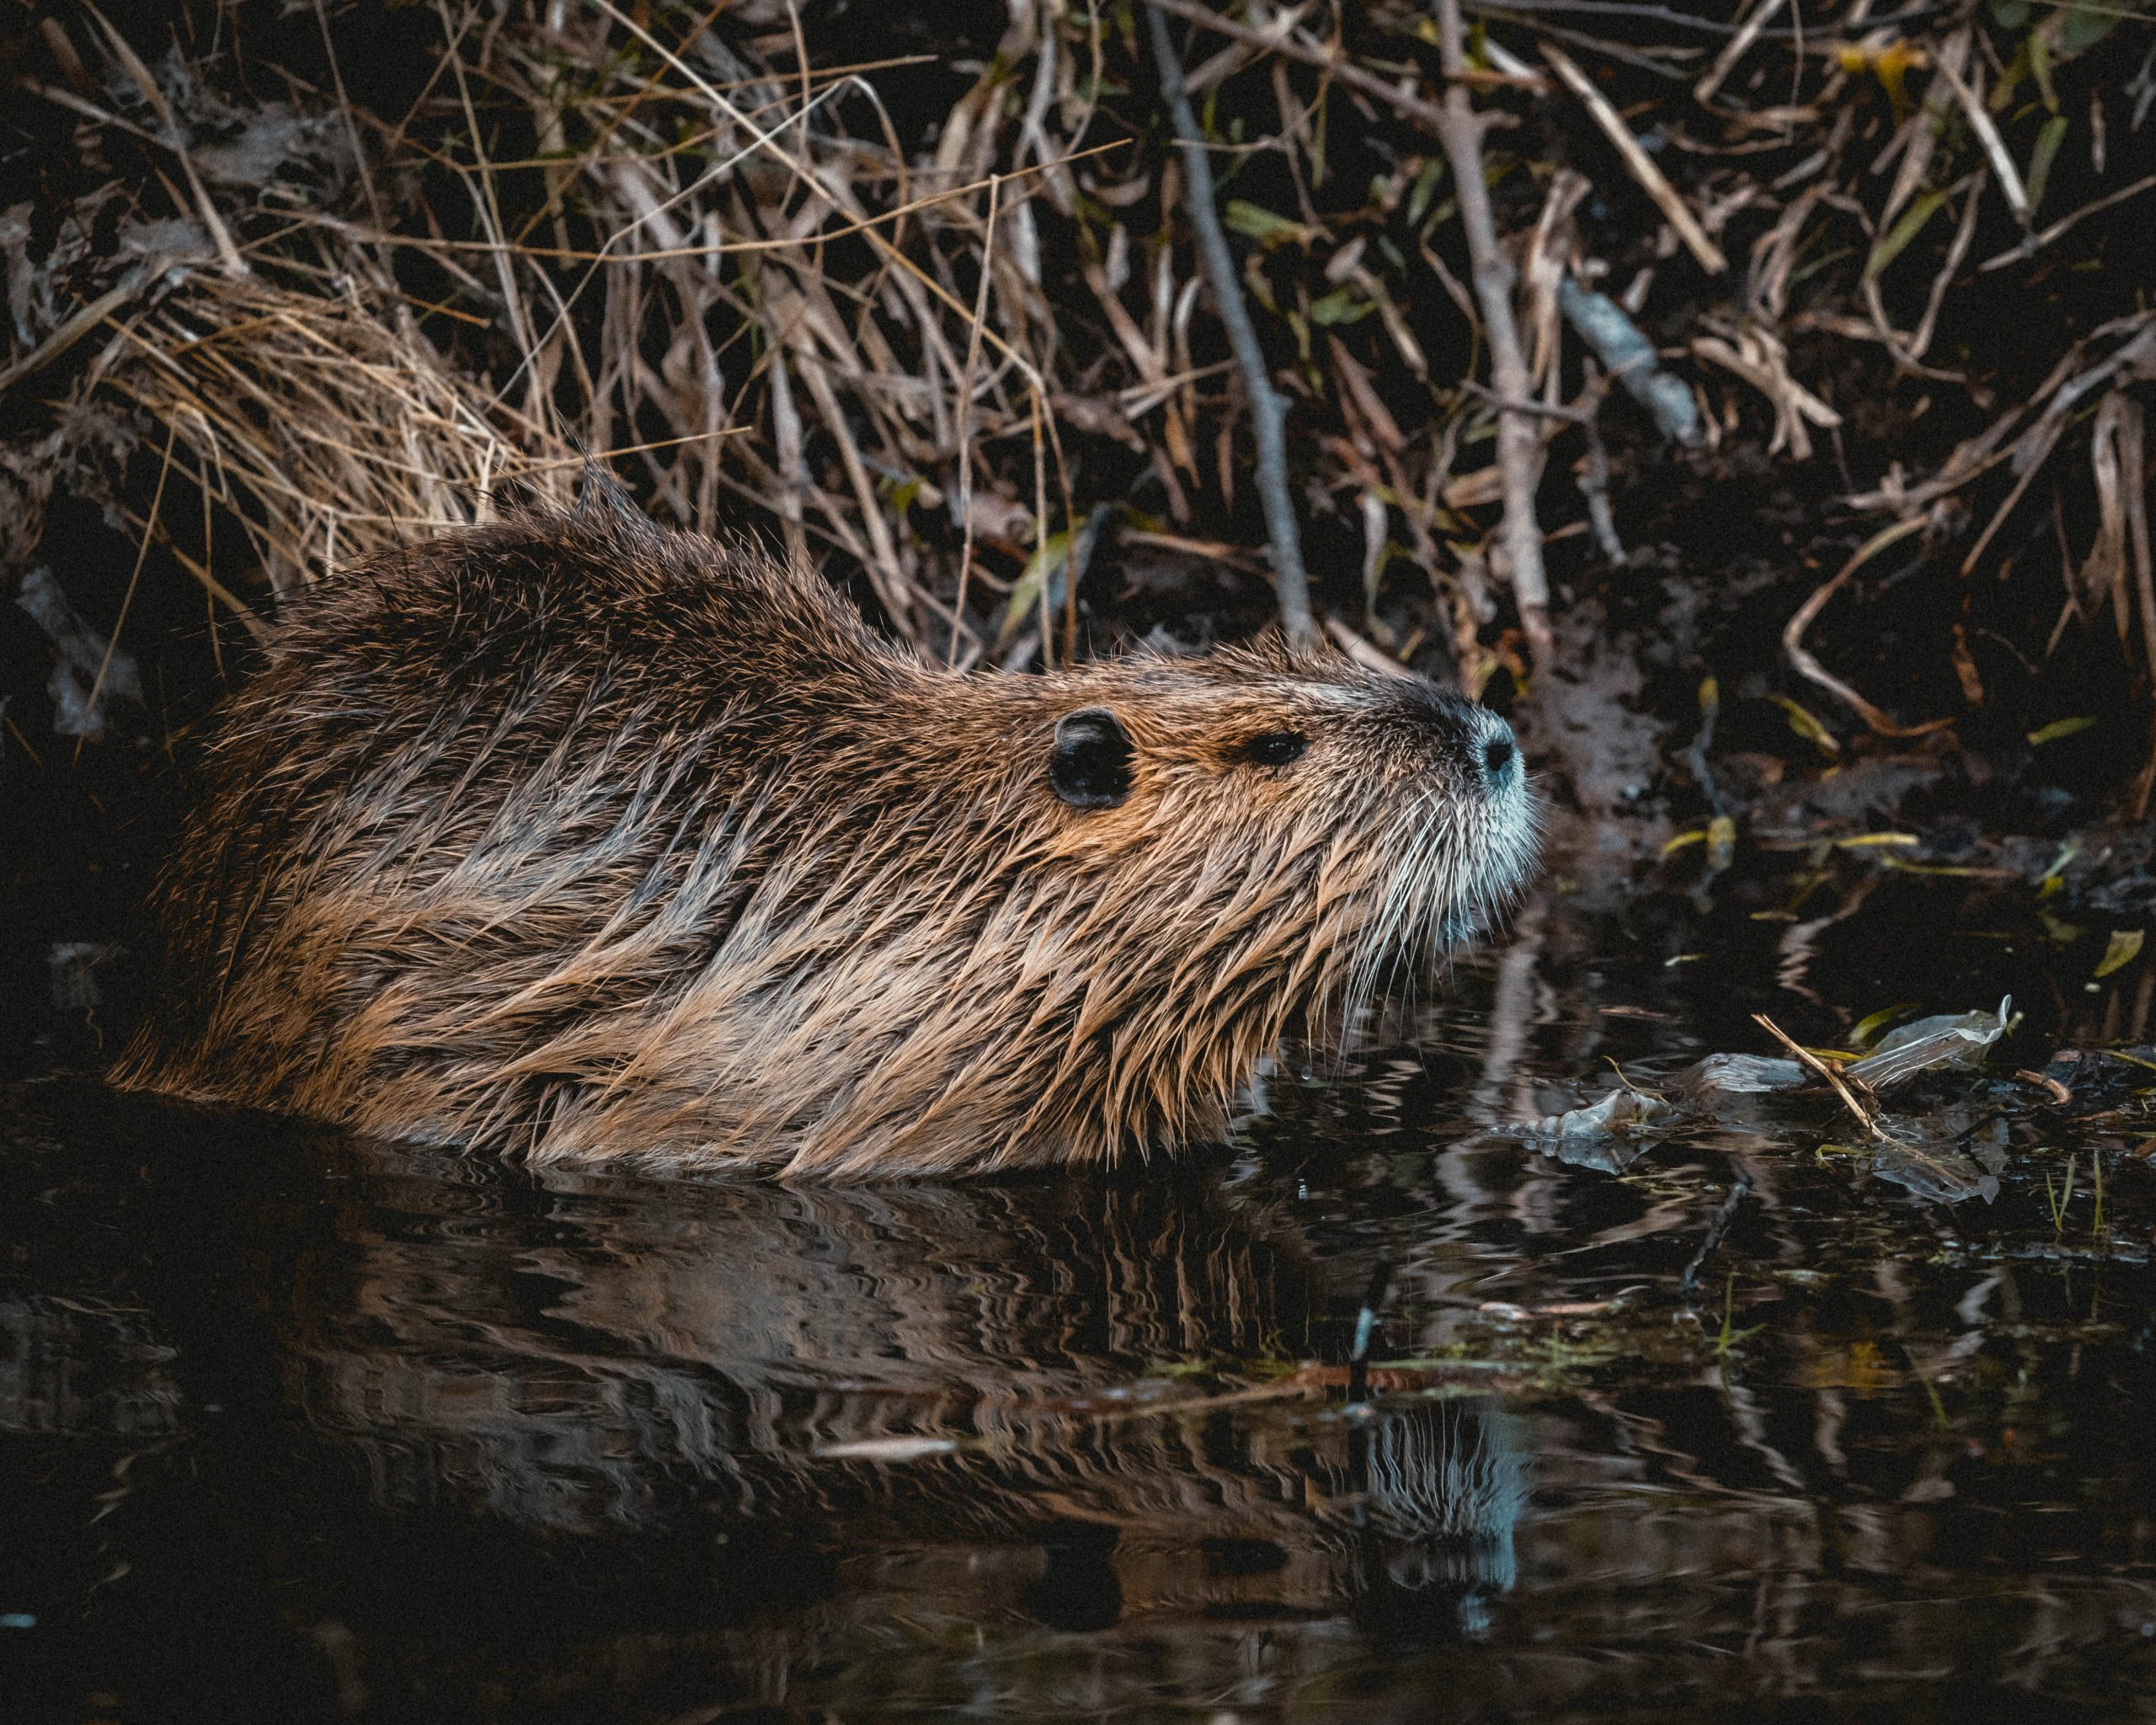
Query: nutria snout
[(583, 840)]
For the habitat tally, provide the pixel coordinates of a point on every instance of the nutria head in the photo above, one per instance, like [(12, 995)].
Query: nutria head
[(580, 838)]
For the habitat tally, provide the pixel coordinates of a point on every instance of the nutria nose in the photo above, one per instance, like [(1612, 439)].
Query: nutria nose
[(1498, 755)]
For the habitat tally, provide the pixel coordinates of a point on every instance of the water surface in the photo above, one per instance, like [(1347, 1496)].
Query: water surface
[(296, 1427)]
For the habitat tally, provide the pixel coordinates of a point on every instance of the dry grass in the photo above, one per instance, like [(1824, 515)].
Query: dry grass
[(327, 430), (945, 359)]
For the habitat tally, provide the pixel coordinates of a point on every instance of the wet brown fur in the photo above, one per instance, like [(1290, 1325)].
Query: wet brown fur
[(575, 838)]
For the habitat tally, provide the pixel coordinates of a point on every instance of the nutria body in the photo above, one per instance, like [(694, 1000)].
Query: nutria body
[(575, 838)]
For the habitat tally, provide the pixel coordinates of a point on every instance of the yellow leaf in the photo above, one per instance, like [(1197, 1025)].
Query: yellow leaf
[(1869, 1028), (1807, 727), (2124, 948), (2059, 727)]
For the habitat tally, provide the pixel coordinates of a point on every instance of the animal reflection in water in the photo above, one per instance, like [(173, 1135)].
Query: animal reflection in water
[(597, 1356)]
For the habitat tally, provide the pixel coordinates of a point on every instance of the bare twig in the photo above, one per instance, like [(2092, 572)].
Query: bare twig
[(1519, 441), (1364, 652), (175, 141), (1268, 410), (1808, 666), (1283, 38), (2037, 242), (2134, 360), (1594, 469), (1760, 360), (73, 329), (127, 600), (1955, 254), (968, 395), (2132, 466), (1811, 1062), (1569, 414), (1735, 49), (1987, 131), (1698, 21), (1640, 165), (2145, 786)]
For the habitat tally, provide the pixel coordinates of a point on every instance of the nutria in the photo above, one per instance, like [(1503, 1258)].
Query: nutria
[(583, 840)]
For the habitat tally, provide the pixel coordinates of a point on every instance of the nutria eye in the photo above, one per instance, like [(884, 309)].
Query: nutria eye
[(1091, 767), (1275, 748)]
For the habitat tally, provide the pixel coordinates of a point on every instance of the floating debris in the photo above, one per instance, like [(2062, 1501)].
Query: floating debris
[(1934, 1155)]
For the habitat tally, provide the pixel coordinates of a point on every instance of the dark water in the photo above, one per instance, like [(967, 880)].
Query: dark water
[(297, 1428)]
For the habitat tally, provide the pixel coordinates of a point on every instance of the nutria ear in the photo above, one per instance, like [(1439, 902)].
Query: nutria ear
[(1091, 767)]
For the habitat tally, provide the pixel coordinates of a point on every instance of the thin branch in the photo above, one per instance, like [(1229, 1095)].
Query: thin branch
[(1734, 49), (1541, 409), (1811, 1062), (1594, 469), (1268, 410), (1519, 441), (2037, 242), (1689, 20), (1995, 147), (1637, 162), (966, 408), (127, 600), (1811, 668), (1283, 38)]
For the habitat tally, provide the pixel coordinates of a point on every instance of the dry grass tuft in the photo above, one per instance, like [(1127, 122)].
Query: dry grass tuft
[(327, 429), (931, 312)]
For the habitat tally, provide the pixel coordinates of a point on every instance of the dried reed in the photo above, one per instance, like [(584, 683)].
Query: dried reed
[(951, 356)]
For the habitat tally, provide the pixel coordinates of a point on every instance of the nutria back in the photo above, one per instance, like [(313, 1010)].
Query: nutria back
[(575, 838)]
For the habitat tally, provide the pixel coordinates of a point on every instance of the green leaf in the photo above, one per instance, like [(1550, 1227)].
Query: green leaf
[(2062, 933), (1262, 225), (2009, 80), (2040, 158), (1025, 595), (2009, 14), (2124, 948), (2040, 62), (1340, 306), (1892, 244), (1426, 188), (2061, 728), (2086, 25)]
